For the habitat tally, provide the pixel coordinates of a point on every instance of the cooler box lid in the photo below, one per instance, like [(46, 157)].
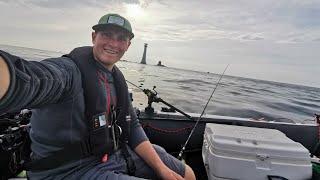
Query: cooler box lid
[(251, 140)]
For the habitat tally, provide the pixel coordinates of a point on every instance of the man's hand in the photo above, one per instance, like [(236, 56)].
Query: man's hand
[(4, 77), (167, 174), (146, 151)]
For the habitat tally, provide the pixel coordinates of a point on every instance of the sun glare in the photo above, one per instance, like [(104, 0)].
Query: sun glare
[(134, 11)]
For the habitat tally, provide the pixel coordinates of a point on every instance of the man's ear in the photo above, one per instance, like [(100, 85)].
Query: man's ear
[(93, 36), (129, 43)]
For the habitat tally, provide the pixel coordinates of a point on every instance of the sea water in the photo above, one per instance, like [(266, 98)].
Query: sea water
[(190, 90)]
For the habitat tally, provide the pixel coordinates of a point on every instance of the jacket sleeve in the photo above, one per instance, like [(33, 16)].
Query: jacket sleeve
[(34, 84), (137, 134)]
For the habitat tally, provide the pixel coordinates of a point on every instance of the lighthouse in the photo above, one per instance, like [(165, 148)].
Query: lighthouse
[(143, 60)]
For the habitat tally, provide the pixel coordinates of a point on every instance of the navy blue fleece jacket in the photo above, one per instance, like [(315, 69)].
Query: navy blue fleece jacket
[(52, 88)]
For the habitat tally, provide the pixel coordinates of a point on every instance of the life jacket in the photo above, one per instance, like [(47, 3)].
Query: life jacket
[(99, 142)]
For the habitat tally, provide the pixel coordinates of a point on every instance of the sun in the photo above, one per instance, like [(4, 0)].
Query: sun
[(134, 11)]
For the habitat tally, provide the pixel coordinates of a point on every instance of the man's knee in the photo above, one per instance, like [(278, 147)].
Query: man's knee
[(189, 174)]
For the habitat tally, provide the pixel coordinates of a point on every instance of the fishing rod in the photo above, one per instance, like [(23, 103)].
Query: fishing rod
[(194, 127), (152, 97)]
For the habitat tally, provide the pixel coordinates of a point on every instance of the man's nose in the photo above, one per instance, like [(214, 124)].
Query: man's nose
[(113, 40)]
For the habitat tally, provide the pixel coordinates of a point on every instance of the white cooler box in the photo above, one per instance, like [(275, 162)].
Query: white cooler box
[(247, 153)]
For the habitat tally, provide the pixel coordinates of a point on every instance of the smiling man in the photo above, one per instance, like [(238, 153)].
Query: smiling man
[(83, 125)]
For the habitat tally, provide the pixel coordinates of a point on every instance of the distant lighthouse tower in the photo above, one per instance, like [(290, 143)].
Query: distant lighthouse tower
[(143, 60)]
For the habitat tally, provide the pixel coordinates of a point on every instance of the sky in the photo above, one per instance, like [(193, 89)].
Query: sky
[(276, 40)]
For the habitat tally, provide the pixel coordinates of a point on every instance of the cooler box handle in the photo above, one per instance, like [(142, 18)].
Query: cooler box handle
[(272, 177)]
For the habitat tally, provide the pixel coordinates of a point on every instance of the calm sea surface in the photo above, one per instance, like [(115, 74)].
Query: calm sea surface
[(190, 90)]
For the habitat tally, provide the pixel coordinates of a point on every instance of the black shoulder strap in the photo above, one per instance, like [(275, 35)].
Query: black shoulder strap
[(83, 58), (123, 102)]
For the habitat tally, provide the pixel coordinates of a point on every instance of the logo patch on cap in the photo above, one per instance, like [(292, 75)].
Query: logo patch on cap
[(116, 20)]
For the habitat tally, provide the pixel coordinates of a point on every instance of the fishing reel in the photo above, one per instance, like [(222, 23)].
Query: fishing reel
[(152, 97)]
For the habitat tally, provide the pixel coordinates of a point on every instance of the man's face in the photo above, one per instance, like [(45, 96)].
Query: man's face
[(109, 45)]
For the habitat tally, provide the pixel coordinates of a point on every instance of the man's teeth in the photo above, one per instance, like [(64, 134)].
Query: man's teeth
[(110, 51)]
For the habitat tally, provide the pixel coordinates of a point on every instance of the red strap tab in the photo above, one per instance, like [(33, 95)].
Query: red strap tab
[(104, 158)]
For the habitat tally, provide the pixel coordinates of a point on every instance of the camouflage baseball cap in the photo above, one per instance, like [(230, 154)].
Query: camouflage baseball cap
[(114, 20)]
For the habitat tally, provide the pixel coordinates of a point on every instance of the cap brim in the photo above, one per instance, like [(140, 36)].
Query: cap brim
[(101, 27)]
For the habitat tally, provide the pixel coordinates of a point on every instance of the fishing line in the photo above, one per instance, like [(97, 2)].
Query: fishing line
[(194, 127), (149, 94), (135, 85)]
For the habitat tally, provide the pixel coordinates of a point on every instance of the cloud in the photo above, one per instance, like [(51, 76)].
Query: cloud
[(190, 34), (270, 20), (143, 3), (54, 4), (316, 39), (286, 21), (249, 37)]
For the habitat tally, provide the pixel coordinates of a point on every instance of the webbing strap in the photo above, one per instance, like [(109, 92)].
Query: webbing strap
[(70, 153), (130, 163)]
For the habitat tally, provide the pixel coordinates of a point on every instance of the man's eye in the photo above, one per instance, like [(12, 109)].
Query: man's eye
[(122, 38), (110, 35)]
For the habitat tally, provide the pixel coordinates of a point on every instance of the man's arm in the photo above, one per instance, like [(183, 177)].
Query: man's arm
[(4, 77), (33, 84), (142, 146)]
